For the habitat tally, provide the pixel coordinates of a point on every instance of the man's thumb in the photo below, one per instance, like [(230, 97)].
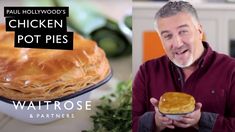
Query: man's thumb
[(154, 101)]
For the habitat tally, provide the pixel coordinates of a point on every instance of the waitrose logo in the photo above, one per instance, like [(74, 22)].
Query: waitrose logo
[(49, 109), (55, 105)]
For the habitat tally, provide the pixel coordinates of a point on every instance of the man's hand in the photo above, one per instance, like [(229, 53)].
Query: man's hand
[(191, 119), (161, 121)]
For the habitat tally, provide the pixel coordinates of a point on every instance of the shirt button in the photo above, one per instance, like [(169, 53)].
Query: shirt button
[(179, 79), (212, 91)]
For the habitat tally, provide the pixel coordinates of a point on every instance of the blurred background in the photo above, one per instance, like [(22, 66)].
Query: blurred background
[(216, 16), (108, 22)]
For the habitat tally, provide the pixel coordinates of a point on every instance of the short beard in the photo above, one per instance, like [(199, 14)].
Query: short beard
[(189, 63)]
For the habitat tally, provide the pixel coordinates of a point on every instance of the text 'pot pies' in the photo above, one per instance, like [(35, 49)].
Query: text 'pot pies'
[(45, 74), (176, 103)]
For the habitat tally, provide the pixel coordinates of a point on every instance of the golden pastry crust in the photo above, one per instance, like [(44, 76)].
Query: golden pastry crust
[(176, 103), (44, 74)]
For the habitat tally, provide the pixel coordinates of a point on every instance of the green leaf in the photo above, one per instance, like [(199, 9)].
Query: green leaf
[(114, 112)]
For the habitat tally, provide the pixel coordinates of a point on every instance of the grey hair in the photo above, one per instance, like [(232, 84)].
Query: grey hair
[(174, 7)]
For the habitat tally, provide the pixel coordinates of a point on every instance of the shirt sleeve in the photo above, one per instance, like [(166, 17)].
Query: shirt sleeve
[(226, 122), (207, 121), (138, 98), (145, 123)]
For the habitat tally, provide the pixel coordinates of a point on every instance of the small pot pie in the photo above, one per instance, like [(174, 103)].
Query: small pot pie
[(44, 74), (176, 103)]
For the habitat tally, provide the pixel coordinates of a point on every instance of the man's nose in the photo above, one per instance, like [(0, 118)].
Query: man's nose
[(177, 42)]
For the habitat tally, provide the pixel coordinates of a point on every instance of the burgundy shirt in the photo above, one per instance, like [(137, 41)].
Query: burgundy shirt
[(212, 84)]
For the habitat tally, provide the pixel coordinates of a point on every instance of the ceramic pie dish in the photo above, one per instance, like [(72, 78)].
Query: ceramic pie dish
[(41, 77), (174, 105)]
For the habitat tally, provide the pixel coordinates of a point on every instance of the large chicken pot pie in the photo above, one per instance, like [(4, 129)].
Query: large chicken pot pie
[(176, 103), (44, 74)]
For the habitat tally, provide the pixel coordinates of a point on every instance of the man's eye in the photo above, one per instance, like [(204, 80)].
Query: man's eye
[(183, 32), (167, 37)]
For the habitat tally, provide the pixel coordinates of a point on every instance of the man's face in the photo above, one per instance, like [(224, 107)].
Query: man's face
[(181, 36)]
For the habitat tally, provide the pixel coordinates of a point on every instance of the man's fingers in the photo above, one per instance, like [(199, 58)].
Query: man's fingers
[(190, 119), (198, 105), (170, 126), (190, 115), (181, 124), (187, 120), (166, 122), (164, 119), (154, 101)]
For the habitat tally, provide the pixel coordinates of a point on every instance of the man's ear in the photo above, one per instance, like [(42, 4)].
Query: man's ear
[(201, 33)]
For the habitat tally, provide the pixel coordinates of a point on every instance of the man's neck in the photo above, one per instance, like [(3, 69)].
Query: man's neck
[(188, 71)]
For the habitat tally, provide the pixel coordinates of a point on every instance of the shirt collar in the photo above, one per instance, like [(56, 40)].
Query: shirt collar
[(204, 60)]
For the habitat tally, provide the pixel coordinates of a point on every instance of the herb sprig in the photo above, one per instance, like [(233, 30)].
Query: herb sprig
[(114, 112)]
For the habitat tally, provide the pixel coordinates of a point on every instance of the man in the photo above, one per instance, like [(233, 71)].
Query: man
[(189, 66)]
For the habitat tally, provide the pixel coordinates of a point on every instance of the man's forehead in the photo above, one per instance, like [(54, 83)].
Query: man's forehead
[(174, 22)]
